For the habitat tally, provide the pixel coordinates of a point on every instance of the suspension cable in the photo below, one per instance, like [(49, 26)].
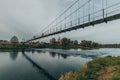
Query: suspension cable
[(93, 9), (60, 15), (70, 18), (78, 12), (106, 7), (89, 11)]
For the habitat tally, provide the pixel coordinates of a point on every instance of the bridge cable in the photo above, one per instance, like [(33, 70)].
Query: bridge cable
[(93, 9), (106, 7), (78, 12), (65, 22), (61, 14), (103, 9), (70, 17), (75, 11), (89, 11), (43, 30), (71, 7), (83, 14)]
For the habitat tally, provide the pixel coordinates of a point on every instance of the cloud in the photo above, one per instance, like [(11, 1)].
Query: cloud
[(26, 18)]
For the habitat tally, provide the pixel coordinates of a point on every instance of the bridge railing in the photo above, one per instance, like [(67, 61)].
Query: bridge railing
[(79, 16)]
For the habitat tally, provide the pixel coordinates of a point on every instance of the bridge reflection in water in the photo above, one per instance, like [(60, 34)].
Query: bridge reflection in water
[(41, 70)]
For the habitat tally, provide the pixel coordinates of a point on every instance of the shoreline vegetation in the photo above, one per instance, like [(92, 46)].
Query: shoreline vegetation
[(99, 69), (107, 68), (63, 43)]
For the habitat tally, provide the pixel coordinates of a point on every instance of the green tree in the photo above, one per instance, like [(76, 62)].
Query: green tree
[(75, 42), (66, 42)]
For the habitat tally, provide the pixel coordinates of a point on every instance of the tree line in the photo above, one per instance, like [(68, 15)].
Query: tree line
[(63, 43)]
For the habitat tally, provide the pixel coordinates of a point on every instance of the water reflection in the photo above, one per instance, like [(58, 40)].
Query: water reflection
[(39, 51), (64, 56), (50, 63), (14, 54), (33, 51), (86, 56), (41, 70), (52, 54), (59, 55)]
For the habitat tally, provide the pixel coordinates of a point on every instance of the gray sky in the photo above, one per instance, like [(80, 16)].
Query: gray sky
[(25, 18)]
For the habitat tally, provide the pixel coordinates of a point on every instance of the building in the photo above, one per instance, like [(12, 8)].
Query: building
[(14, 39)]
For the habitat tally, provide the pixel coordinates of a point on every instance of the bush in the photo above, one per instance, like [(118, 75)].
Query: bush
[(106, 68)]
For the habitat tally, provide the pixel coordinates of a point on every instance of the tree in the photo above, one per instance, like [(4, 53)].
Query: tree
[(66, 42), (75, 42), (89, 44), (53, 41)]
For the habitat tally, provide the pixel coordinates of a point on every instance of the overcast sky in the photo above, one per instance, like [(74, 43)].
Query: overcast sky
[(25, 18)]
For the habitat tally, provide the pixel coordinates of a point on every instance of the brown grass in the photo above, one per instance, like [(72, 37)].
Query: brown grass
[(106, 73), (68, 76)]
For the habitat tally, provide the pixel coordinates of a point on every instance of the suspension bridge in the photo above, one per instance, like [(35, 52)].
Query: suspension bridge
[(82, 14)]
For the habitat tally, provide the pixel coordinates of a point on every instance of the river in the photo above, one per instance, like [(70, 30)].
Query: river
[(46, 64)]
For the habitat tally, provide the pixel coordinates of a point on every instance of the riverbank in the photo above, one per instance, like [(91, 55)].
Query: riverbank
[(99, 69)]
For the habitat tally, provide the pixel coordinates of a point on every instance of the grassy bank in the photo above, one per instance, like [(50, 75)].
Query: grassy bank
[(99, 69)]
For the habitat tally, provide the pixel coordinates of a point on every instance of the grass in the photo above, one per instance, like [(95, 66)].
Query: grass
[(99, 69)]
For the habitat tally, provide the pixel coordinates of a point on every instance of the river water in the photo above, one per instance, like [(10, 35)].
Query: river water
[(46, 64)]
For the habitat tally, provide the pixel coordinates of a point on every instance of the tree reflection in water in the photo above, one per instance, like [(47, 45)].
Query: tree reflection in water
[(59, 55), (14, 54)]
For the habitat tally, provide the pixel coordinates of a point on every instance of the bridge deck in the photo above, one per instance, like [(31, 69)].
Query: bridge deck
[(99, 21)]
